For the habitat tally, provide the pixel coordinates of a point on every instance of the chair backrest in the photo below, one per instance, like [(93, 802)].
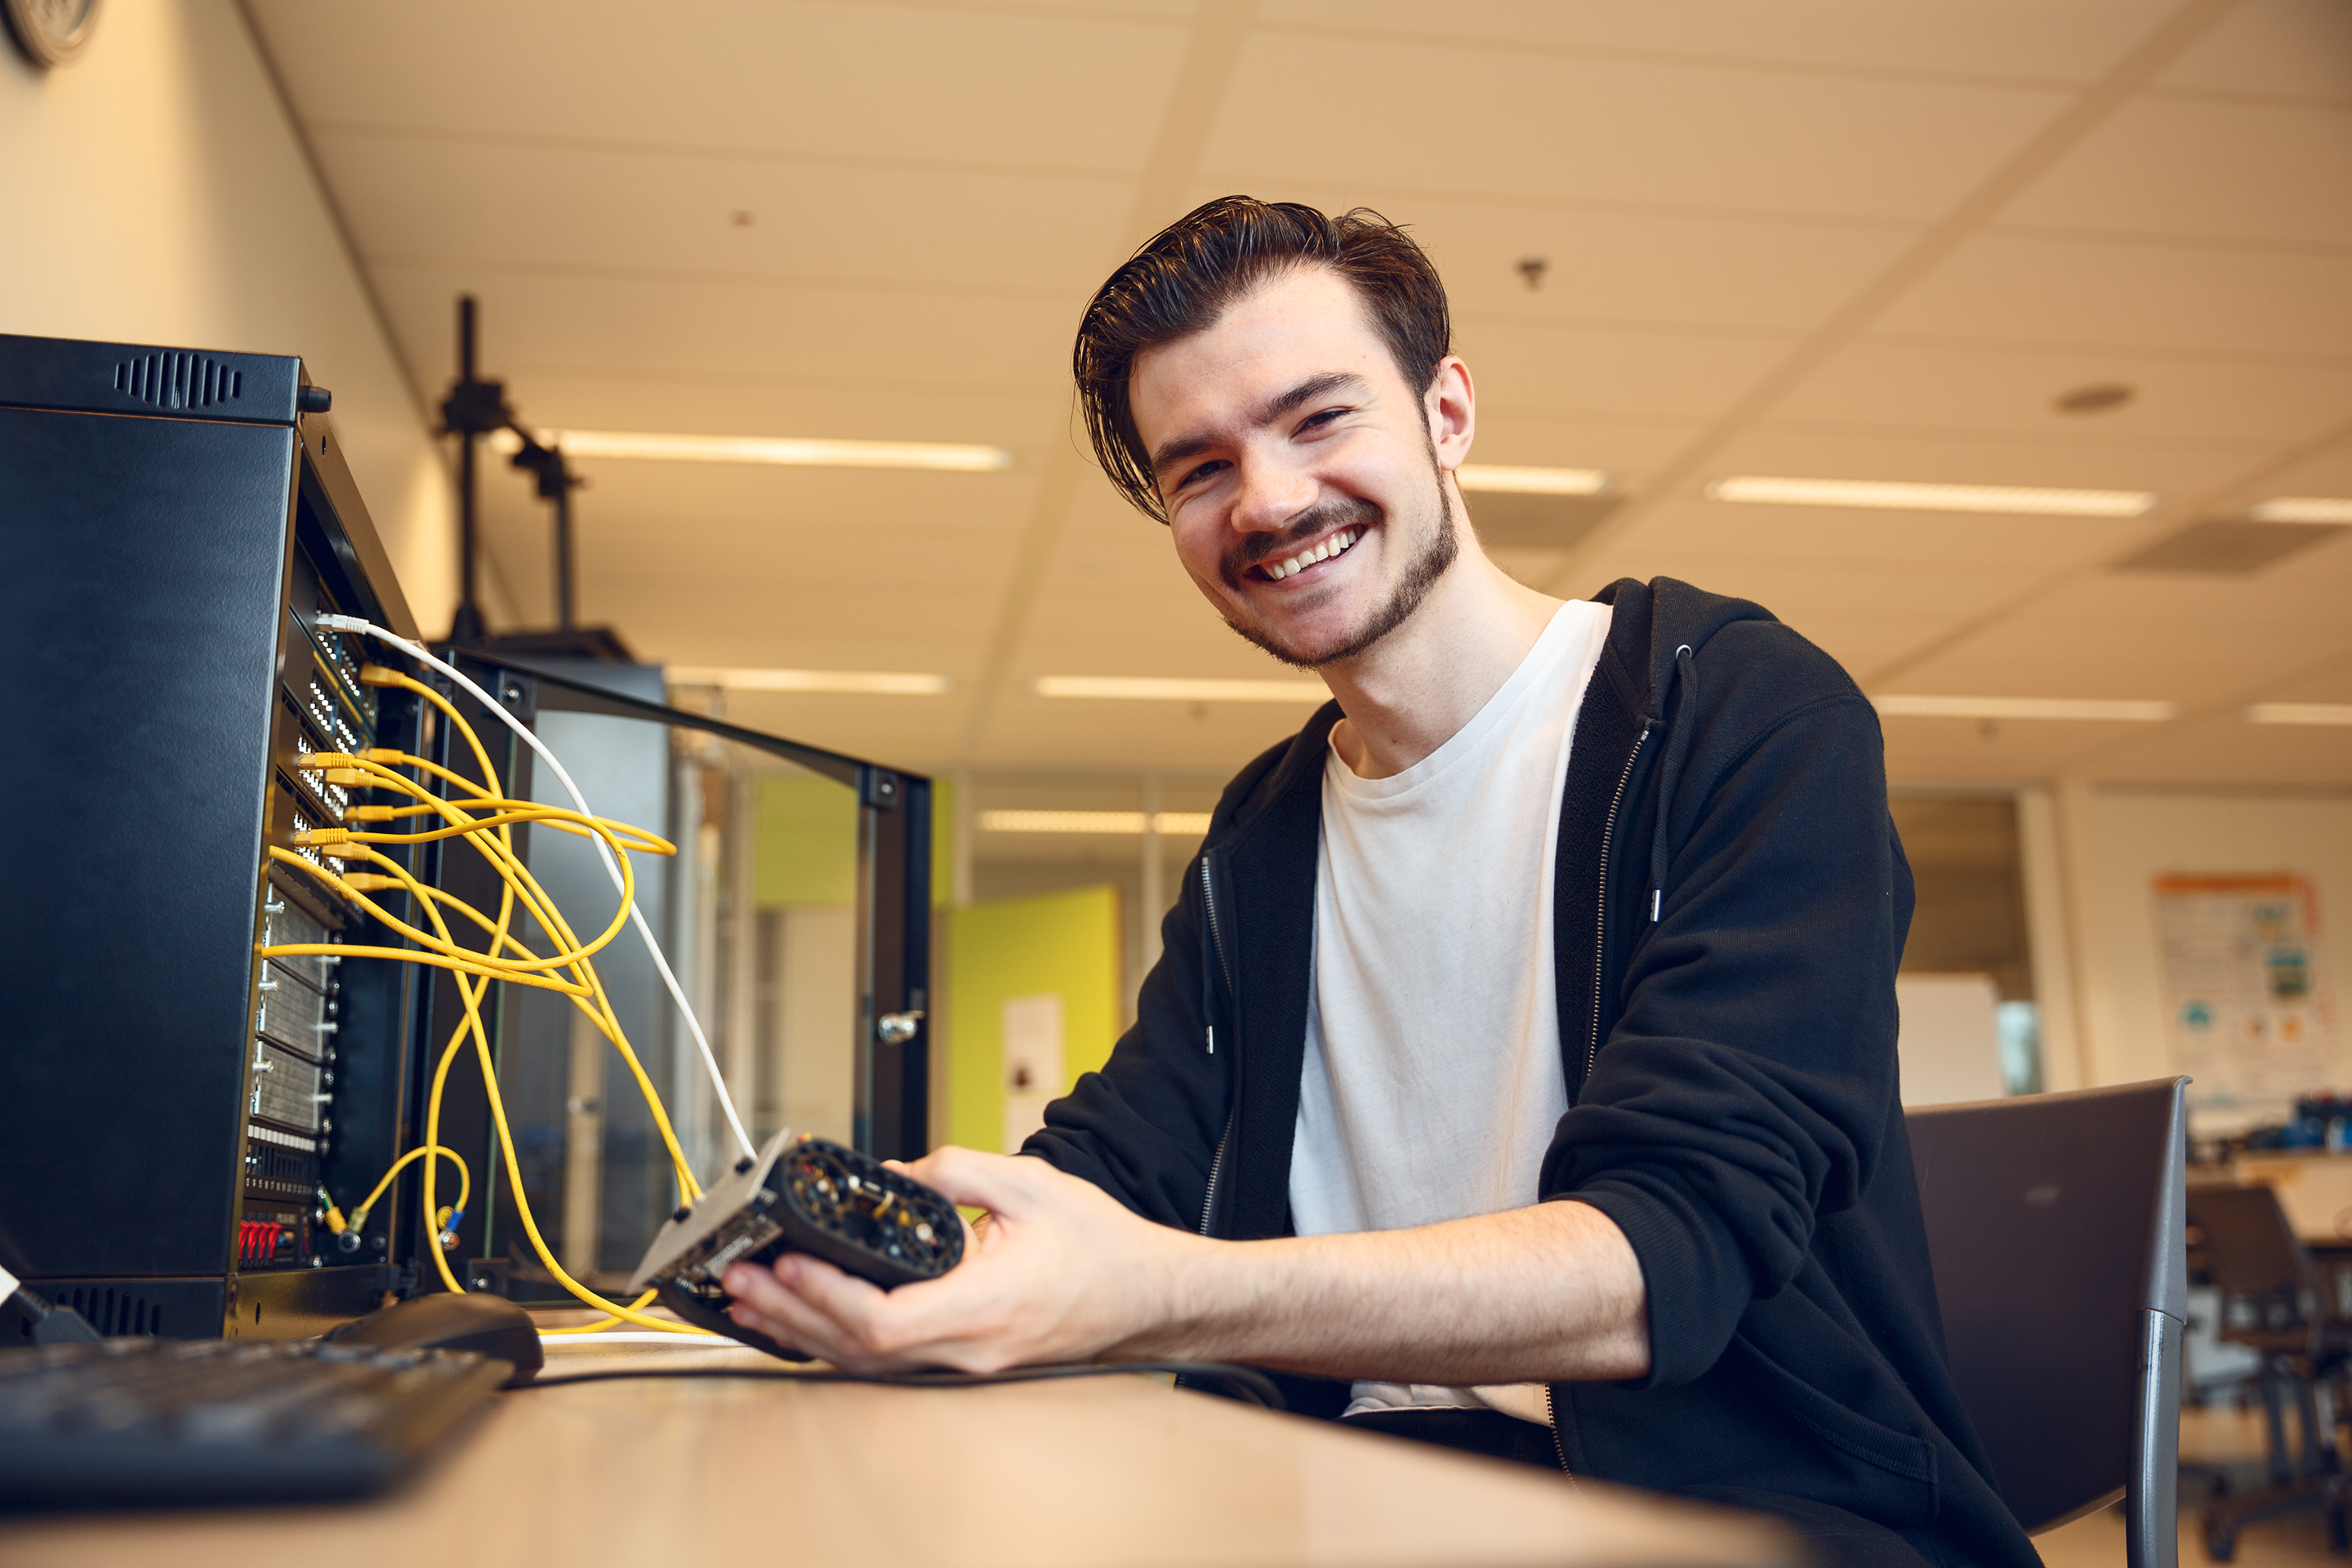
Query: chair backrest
[(2249, 1248), (2055, 1223)]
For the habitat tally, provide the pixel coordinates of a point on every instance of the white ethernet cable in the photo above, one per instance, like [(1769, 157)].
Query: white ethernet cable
[(362, 627)]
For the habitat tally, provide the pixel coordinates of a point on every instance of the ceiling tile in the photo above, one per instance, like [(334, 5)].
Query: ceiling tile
[(1604, 266), (2243, 172), (2226, 749), (2012, 391), (2019, 289), (1653, 135), (2288, 49), (1563, 374), (539, 322), (866, 81), (677, 215), (2031, 38), (2175, 638), (1928, 752)]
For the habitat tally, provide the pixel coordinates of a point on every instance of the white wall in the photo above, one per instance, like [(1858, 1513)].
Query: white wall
[(2116, 842), (156, 192)]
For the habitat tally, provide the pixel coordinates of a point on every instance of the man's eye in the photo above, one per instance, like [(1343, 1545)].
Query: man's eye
[(1202, 472), (1325, 417)]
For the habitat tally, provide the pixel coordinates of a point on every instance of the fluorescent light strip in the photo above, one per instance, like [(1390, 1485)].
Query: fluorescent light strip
[(2300, 713), (1894, 495), (2026, 708), (1170, 824), (789, 450), (1153, 688), (1511, 479), (859, 683), (2302, 509)]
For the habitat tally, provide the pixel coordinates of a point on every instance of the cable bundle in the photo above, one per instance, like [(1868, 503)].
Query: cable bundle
[(484, 818)]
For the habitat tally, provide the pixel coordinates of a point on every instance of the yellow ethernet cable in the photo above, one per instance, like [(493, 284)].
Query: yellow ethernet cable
[(471, 991), (373, 674), (491, 834), (535, 899), (464, 1182), (472, 984)]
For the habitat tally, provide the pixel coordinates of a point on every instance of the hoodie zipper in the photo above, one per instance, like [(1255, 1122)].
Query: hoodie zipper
[(1600, 918), (1559, 1443), (1224, 966), (1593, 1046)]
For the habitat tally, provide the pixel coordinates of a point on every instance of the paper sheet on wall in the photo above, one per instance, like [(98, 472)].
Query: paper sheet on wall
[(2247, 1002), (1033, 1063)]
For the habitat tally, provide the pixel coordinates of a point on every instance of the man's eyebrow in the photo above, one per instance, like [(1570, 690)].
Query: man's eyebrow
[(1308, 391)]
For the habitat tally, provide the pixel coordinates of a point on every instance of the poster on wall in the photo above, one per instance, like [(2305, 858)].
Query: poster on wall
[(2247, 1003)]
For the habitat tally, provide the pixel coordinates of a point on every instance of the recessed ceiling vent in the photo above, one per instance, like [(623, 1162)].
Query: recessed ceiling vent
[(2229, 546), (178, 381)]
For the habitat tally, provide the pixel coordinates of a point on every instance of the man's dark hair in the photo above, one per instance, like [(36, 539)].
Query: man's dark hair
[(1185, 276)]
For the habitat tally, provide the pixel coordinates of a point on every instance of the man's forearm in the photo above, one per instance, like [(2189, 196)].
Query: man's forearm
[(1542, 1294)]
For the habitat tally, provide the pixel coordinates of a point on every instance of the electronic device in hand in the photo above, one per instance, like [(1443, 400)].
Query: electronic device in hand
[(798, 1194)]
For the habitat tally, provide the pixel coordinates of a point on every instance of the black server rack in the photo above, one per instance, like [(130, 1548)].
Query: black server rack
[(170, 525), (173, 525)]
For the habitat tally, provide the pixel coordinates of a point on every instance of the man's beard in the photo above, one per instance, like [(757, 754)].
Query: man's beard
[(1412, 588)]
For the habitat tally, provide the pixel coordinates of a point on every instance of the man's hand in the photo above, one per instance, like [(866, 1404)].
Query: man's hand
[(1062, 1272), (1059, 1272)]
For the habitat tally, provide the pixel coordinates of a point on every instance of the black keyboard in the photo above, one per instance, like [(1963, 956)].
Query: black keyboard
[(189, 1421)]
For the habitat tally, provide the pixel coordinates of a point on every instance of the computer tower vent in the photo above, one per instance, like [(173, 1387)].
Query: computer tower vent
[(111, 1310), (178, 380)]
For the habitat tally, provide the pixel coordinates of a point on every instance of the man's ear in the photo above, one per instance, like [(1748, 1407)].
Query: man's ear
[(1452, 406)]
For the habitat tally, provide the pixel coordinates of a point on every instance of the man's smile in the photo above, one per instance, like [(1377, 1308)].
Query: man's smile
[(1323, 550)]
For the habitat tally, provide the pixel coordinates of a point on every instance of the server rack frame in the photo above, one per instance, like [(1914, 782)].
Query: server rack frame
[(160, 511)]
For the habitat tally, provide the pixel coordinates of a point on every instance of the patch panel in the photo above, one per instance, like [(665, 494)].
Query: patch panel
[(300, 739), (331, 653)]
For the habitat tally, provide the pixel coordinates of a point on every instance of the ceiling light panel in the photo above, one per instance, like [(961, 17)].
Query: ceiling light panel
[(2300, 713), (2124, 710), (1154, 688), (1505, 478), (790, 451), (1900, 495), (1173, 823), (2302, 509), (860, 682)]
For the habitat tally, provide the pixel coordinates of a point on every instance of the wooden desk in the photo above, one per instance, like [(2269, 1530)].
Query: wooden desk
[(1092, 1472)]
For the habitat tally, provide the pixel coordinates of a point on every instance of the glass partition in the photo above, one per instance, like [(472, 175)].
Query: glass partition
[(794, 918)]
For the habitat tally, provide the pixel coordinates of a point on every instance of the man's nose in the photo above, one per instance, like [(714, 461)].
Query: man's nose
[(1271, 494)]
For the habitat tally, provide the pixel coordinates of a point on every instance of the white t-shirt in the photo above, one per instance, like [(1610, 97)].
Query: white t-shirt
[(1432, 1081)]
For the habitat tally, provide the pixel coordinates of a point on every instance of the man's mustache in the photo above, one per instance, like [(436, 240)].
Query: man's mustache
[(1340, 511)]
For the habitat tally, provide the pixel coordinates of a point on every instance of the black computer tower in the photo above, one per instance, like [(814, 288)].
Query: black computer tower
[(170, 524)]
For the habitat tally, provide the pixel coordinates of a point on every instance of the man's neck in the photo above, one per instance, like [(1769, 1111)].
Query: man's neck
[(1412, 691)]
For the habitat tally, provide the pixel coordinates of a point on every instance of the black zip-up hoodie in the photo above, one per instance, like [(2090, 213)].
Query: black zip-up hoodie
[(1731, 902)]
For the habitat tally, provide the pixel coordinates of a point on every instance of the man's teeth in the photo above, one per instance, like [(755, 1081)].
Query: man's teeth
[(1300, 563)]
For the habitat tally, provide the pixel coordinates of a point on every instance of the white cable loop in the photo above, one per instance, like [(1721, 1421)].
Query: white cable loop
[(604, 852)]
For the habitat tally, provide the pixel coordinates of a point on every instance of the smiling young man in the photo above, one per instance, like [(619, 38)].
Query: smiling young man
[(1521, 1069)]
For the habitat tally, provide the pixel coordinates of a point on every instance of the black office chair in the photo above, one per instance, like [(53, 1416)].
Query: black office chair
[(2274, 1302), (2054, 1222)]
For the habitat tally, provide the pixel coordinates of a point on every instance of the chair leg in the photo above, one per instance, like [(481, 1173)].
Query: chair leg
[(2274, 1431)]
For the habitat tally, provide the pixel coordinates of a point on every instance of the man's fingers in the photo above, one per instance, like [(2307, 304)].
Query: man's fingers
[(784, 1315), (1001, 1184)]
